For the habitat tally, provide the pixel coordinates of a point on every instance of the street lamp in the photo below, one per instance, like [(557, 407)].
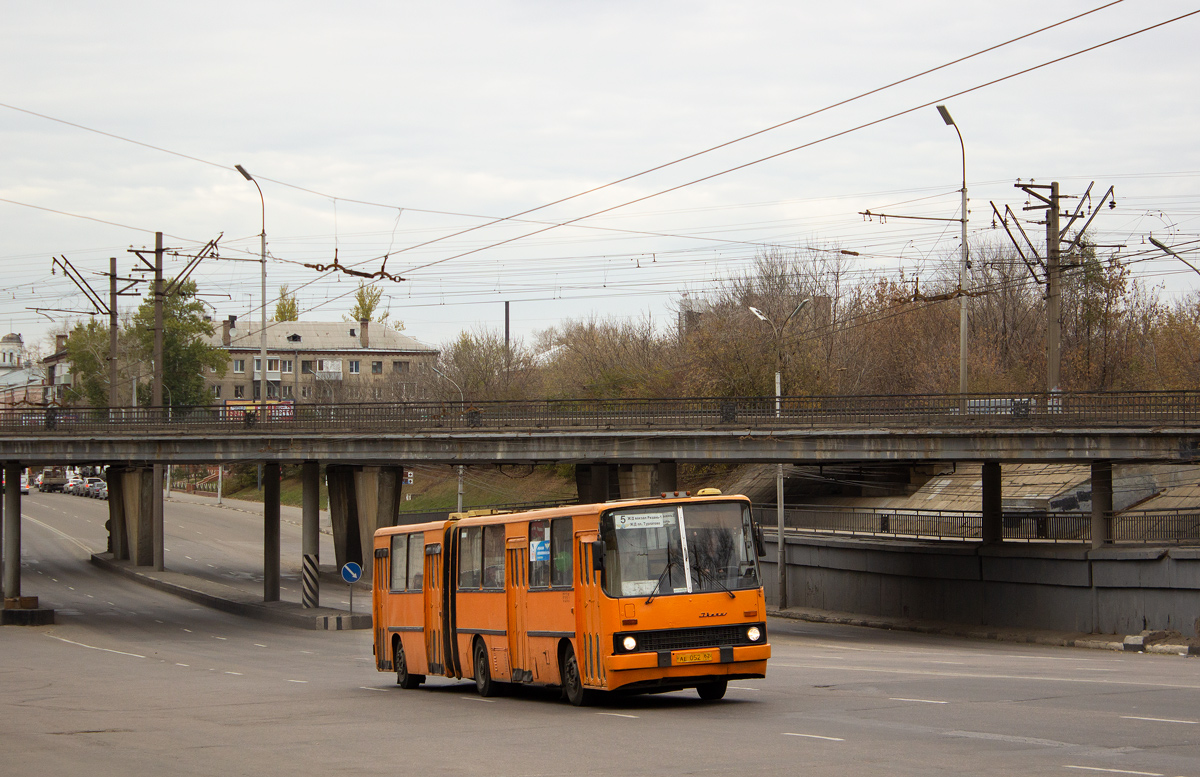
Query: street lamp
[(463, 403), (262, 376), (962, 272), (780, 546)]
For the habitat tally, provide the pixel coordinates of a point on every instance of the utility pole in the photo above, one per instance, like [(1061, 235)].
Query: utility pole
[(156, 391), (1053, 294), (112, 334)]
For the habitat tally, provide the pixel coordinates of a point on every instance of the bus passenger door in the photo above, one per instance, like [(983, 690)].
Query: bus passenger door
[(379, 588), (589, 654), (433, 607), (449, 581), (518, 588)]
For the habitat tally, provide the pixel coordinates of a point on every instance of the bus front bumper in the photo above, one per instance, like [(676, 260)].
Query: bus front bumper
[(688, 658)]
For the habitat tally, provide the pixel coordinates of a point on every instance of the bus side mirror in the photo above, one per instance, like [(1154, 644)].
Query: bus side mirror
[(760, 547), (599, 550)]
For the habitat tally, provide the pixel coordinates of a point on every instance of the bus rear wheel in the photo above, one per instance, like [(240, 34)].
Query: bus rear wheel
[(403, 678), (483, 673), (572, 682), (712, 691)]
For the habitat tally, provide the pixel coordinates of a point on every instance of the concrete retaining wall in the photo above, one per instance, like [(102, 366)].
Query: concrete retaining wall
[(1111, 590)]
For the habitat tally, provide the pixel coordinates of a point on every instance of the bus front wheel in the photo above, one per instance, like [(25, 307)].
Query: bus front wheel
[(573, 688), (712, 691), (403, 678), (483, 673)]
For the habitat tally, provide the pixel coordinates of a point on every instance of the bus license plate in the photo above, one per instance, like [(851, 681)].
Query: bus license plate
[(694, 657)]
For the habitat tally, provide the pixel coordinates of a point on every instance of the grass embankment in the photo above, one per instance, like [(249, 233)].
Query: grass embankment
[(436, 488)]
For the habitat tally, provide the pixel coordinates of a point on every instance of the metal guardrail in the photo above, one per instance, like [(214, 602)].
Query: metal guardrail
[(1037, 410), (1173, 527)]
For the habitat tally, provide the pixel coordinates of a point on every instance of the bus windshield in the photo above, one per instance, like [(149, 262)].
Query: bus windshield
[(673, 549)]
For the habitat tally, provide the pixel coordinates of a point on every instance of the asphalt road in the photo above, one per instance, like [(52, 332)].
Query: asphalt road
[(134, 681)]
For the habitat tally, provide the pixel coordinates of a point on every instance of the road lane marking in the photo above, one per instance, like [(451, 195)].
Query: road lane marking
[(189, 631), (616, 714), (1112, 771), (1160, 720), (258, 645), (180, 664), (365, 688), (87, 549), (919, 701), (742, 688), (93, 647), (1007, 738), (216, 637), (468, 698), (814, 736), (239, 674), (297, 681)]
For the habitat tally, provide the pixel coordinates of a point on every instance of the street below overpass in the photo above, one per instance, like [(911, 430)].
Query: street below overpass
[(132, 680)]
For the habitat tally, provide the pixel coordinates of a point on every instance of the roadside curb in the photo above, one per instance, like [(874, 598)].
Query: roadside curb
[(1116, 643), (235, 601)]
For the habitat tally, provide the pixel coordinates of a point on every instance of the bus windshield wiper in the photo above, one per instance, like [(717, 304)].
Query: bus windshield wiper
[(666, 571), (711, 576)]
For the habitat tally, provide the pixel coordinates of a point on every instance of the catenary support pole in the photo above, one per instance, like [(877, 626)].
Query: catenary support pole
[(1102, 503), (993, 502)]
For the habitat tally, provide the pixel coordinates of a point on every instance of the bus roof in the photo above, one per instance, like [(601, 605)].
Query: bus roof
[(554, 512)]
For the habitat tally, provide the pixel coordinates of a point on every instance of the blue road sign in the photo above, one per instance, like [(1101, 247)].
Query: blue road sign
[(351, 572)]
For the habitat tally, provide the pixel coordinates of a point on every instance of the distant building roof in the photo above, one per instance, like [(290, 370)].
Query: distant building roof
[(320, 336), (12, 337)]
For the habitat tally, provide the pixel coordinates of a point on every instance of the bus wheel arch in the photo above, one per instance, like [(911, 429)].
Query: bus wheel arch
[(572, 680), (481, 668), (404, 678)]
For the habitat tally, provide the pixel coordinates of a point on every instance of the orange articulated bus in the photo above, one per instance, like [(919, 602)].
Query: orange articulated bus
[(636, 596)]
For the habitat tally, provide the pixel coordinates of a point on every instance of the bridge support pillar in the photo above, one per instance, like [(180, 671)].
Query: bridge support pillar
[(271, 531), (992, 508), (1102, 502), (118, 537), (11, 517), (137, 495), (636, 480), (361, 500), (157, 538), (310, 545)]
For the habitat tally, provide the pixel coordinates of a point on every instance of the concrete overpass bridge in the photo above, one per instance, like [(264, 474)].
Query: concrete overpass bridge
[(365, 447)]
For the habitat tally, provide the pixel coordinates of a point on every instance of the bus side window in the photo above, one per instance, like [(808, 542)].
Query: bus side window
[(416, 561), (539, 554), (560, 552), (470, 556), (493, 557), (399, 555)]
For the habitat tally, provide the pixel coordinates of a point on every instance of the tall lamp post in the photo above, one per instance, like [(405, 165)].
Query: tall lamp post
[(962, 272), (463, 403), (262, 376), (780, 546)]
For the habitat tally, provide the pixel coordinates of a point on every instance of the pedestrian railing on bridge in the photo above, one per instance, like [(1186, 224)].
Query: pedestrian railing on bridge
[(951, 411), (1174, 527)]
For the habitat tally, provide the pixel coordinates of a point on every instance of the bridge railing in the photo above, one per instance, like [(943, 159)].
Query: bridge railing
[(1162, 527), (1013, 410)]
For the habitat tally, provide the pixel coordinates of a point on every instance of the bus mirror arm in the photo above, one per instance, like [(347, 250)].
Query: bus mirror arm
[(760, 547), (599, 550)]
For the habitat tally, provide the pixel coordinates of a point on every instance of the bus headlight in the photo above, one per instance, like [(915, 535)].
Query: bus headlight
[(754, 634), (629, 643)]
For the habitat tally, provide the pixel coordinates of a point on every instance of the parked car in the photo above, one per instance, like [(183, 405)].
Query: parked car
[(101, 491), (72, 485), (24, 485), (90, 486)]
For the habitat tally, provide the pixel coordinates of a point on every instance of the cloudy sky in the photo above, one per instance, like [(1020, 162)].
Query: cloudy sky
[(383, 129)]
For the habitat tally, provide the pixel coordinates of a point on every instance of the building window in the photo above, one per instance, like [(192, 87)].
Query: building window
[(329, 365), (257, 390), (212, 369), (239, 391), (306, 367), (217, 392), (305, 392), (272, 365), (285, 366), (399, 367), (353, 366), (272, 390), (376, 368), (287, 393), (378, 392), (239, 365), (257, 364)]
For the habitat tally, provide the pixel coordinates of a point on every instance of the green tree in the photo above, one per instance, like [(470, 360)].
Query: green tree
[(87, 349), (287, 308), (367, 301), (186, 355)]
